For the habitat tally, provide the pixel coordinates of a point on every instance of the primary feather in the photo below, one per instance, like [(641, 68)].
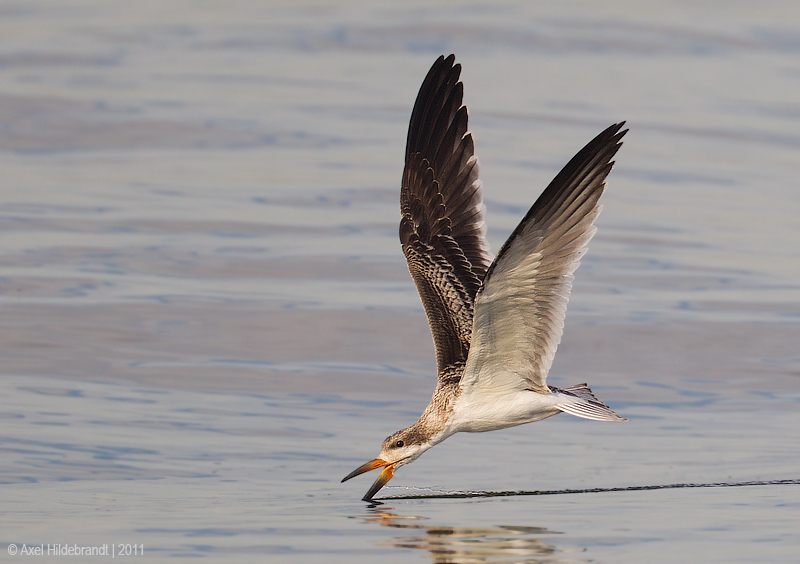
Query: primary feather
[(442, 228), (519, 311)]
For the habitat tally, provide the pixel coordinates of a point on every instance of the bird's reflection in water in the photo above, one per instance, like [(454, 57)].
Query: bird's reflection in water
[(484, 545)]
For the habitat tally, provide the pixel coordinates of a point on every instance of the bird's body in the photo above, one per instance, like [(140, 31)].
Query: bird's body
[(495, 322)]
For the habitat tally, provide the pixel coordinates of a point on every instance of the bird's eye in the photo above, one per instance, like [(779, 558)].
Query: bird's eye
[(399, 444)]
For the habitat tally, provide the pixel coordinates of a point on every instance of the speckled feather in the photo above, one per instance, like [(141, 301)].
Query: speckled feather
[(442, 228)]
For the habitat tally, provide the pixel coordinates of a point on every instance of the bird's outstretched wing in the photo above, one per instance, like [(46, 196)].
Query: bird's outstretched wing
[(442, 229), (520, 309)]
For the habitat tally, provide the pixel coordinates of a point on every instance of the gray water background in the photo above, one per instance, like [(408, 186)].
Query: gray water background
[(207, 321)]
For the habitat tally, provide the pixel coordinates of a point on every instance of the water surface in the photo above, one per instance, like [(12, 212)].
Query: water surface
[(207, 321)]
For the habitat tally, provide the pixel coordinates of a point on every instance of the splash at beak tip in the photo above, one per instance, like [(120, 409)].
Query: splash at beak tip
[(385, 476)]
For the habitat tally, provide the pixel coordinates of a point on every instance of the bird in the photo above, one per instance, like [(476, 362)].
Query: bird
[(495, 322)]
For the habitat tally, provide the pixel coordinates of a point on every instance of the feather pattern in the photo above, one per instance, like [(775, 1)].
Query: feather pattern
[(519, 311), (442, 227)]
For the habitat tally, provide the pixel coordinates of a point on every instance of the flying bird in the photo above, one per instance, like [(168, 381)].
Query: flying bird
[(495, 323)]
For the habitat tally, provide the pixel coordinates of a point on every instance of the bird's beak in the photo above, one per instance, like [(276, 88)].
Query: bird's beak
[(385, 476)]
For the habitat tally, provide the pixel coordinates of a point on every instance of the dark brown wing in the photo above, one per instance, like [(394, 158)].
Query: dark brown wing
[(442, 227)]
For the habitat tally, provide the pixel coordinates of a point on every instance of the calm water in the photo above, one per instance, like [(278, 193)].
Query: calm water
[(207, 321)]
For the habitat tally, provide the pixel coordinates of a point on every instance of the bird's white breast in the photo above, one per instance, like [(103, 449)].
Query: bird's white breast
[(476, 413)]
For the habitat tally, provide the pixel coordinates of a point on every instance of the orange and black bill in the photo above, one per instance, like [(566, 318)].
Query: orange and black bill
[(385, 476)]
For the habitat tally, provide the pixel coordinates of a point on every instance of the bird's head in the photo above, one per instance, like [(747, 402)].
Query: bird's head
[(398, 449)]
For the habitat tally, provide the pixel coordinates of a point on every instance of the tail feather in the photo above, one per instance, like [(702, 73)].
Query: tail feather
[(580, 401)]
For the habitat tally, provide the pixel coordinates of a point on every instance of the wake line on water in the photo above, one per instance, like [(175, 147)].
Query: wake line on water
[(471, 494)]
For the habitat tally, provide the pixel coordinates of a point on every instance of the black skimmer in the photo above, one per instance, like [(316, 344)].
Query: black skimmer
[(495, 323)]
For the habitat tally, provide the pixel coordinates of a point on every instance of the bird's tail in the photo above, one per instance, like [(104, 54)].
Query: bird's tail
[(579, 400)]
